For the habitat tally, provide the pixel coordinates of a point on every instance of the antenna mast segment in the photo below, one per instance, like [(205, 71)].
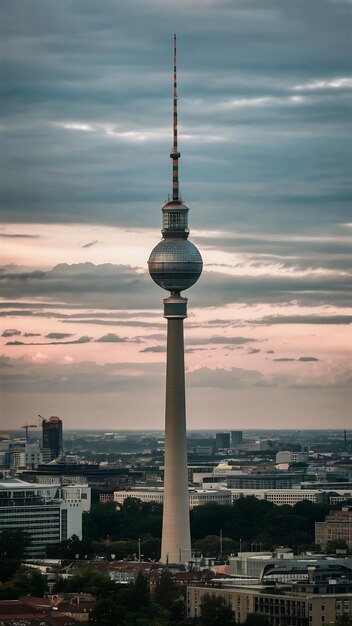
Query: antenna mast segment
[(175, 154)]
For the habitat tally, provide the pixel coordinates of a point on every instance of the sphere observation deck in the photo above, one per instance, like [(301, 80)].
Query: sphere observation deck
[(175, 264)]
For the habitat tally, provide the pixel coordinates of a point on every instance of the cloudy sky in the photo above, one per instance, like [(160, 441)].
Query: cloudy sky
[(264, 111)]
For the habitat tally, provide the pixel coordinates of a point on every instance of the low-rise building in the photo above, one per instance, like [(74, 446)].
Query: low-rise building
[(286, 456), (281, 496), (305, 604), (197, 497), (337, 526), (283, 566)]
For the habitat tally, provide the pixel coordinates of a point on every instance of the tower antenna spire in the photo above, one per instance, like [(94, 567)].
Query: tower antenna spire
[(175, 154)]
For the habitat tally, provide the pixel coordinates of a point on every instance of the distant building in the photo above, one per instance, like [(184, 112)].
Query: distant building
[(337, 526), (49, 513), (18, 454), (197, 497), (281, 496), (222, 440), (256, 480), (282, 566), (52, 436), (301, 604), (286, 456), (106, 497), (236, 438)]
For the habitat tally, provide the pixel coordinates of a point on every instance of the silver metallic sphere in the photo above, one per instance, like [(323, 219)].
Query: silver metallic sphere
[(175, 264)]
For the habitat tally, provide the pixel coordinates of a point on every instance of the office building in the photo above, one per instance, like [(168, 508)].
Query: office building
[(296, 604), (52, 436), (283, 566), (286, 456), (17, 454), (222, 441), (337, 526), (175, 264), (236, 438), (264, 480), (49, 513), (197, 497), (281, 496)]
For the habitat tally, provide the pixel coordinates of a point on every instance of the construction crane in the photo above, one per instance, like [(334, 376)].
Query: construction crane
[(26, 427)]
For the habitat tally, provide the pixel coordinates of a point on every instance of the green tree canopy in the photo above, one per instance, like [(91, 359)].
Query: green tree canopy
[(214, 611), (344, 620), (106, 612), (254, 619)]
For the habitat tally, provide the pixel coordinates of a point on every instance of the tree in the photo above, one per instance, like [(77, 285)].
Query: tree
[(88, 581), (70, 548), (344, 620), (214, 611), (336, 544), (12, 546), (139, 594), (107, 613), (166, 590), (210, 545), (169, 596)]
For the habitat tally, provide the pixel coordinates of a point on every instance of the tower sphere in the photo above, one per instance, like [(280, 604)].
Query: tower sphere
[(175, 264)]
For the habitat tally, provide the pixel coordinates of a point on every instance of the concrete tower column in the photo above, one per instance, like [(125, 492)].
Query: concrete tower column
[(176, 538), (175, 264)]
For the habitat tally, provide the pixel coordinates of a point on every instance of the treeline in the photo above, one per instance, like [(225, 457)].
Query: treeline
[(247, 523), (134, 528)]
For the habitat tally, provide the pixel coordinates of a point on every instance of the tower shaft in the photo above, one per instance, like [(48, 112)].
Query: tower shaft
[(175, 264), (176, 538)]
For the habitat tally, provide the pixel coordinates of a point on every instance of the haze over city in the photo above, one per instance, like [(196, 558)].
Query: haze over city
[(264, 106)]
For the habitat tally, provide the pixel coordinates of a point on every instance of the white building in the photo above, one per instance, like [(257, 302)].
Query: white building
[(281, 496), (197, 497), (48, 512), (286, 456), (20, 453)]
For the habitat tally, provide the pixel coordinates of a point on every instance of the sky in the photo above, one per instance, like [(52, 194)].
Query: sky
[(264, 131)]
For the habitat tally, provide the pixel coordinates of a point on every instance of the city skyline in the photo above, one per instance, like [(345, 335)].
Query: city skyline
[(265, 98)]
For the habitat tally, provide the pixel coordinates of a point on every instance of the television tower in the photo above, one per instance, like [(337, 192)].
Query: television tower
[(175, 264)]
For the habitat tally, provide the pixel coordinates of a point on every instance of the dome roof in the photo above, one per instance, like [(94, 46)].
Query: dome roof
[(175, 264)]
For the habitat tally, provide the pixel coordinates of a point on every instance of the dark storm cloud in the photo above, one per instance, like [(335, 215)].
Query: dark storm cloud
[(123, 287), (111, 338), (301, 253), (19, 236), (87, 97), (268, 320), (89, 377), (90, 244), (154, 349), (221, 340), (58, 335), (83, 339), (113, 322), (11, 332), (301, 359), (84, 377)]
